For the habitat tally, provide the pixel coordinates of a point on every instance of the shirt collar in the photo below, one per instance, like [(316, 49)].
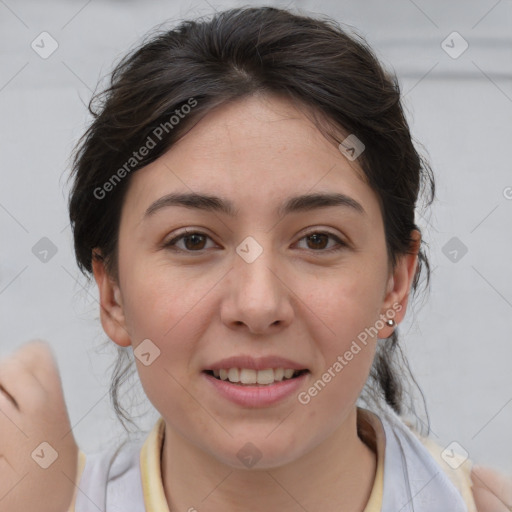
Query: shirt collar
[(151, 471)]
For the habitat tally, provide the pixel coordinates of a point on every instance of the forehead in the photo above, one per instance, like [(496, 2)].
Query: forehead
[(258, 152)]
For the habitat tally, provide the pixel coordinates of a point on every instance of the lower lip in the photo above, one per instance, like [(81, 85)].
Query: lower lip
[(258, 395)]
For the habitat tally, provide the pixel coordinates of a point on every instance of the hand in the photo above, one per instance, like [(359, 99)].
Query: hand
[(38, 453), (492, 491)]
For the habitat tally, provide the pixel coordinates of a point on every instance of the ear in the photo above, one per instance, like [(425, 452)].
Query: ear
[(399, 285), (111, 306)]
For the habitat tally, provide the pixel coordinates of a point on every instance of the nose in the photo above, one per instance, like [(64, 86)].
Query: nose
[(257, 297)]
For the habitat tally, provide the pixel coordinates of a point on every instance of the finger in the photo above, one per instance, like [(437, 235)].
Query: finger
[(39, 361), (49, 403), (42, 364), (20, 384), (6, 396), (38, 357)]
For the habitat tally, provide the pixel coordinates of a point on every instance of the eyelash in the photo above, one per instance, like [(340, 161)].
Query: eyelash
[(341, 244)]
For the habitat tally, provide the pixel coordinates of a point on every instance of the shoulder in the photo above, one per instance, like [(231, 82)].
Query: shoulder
[(456, 466), (413, 478), (483, 489)]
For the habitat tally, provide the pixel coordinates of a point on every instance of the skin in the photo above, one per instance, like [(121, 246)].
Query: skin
[(492, 490), (38, 452), (298, 300)]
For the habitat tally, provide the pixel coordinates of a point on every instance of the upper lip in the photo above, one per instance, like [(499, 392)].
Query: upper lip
[(255, 363)]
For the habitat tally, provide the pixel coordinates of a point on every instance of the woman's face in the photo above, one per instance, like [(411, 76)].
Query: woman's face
[(254, 281)]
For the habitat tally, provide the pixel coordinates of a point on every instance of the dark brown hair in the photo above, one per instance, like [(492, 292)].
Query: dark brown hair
[(331, 74)]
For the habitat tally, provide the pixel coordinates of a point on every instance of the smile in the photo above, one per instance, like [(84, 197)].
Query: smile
[(248, 376), (253, 394)]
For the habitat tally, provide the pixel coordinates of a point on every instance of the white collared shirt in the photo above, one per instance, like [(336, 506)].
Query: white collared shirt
[(410, 476)]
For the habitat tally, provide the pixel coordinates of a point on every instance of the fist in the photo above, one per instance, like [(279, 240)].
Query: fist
[(38, 453)]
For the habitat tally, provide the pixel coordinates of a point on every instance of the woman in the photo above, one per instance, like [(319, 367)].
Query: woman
[(245, 201)]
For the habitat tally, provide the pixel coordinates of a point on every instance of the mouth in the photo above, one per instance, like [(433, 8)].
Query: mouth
[(250, 377)]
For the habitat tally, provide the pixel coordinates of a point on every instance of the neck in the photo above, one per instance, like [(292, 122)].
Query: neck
[(338, 474)]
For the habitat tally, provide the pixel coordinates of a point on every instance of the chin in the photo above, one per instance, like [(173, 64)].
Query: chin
[(259, 454)]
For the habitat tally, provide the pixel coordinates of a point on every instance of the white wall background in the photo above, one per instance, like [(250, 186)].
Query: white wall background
[(460, 109)]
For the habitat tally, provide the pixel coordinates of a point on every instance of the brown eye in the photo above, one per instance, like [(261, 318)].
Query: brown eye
[(196, 241), (193, 242), (318, 241)]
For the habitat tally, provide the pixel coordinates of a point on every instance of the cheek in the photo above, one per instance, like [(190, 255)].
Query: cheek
[(346, 306), (167, 307), (159, 300), (348, 309), (347, 346)]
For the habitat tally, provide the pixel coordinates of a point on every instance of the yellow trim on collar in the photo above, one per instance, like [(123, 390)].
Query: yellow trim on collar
[(151, 474), (375, 501)]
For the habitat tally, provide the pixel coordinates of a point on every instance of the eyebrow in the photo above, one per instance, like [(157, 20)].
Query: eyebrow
[(294, 204)]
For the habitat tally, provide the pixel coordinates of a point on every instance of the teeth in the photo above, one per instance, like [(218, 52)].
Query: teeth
[(250, 376), (289, 373), (233, 375), (265, 376)]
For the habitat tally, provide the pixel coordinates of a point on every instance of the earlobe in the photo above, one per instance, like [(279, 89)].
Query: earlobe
[(399, 285), (111, 306)]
